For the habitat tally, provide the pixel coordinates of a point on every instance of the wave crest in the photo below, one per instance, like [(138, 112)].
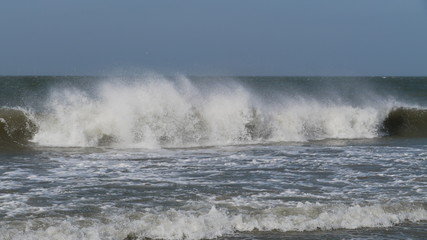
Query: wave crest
[(158, 112), (165, 113)]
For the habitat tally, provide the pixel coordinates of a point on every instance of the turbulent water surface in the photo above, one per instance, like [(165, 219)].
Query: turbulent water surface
[(154, 157)]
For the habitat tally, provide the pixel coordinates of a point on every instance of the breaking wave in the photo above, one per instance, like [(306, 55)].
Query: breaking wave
[(178, 113), (406, 122), (17, 127), (214, 223)]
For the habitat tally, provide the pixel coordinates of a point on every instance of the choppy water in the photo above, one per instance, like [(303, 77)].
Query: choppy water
[(203, 158)]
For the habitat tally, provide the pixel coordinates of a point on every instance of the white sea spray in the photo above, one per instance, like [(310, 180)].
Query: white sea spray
[(159, 112)]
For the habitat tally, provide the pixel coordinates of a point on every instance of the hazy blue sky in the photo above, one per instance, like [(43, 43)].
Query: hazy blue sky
[(232, 37)]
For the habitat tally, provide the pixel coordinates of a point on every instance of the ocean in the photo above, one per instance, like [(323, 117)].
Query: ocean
[(183, 157)]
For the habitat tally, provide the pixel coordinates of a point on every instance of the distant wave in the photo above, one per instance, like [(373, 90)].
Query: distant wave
[(163, 113)]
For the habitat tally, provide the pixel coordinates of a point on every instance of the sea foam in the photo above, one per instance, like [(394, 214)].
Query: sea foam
[(213, 222)]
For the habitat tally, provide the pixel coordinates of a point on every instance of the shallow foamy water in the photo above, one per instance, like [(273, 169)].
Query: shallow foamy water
[(333, 189)]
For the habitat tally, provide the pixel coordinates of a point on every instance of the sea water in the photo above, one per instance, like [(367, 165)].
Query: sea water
[(155, 157)]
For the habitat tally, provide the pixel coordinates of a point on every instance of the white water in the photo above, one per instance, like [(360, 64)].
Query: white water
[(213, 223), (158, 112)]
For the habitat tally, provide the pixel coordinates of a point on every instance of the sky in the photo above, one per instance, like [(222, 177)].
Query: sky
[(221, 37)]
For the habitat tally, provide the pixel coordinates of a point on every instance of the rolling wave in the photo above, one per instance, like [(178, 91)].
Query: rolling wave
[(406, 122), (164, 113), (16, 127)]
